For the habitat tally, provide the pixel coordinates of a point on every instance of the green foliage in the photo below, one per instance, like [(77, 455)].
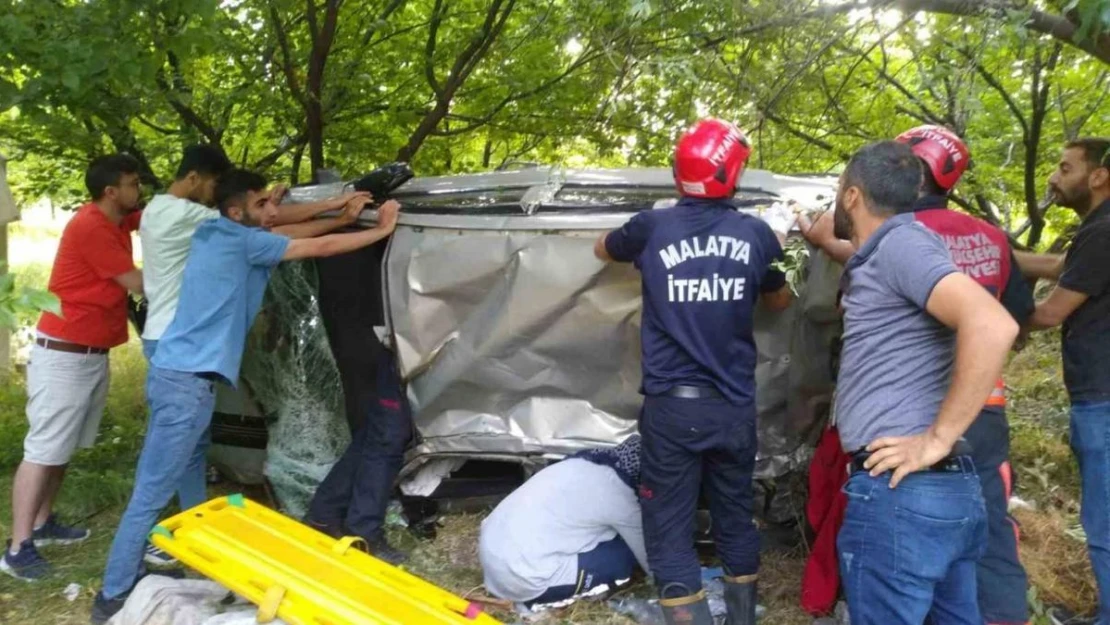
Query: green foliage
[(1094, 18), (469, 85), (796, 257), (19, 304)]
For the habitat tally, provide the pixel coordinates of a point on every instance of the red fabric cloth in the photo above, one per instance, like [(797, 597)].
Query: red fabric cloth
[(825, 512), (92, 252)]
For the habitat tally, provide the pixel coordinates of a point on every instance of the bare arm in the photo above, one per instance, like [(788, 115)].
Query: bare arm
[(335, 244), (309, 229), (600, 251), (1056, 308), (777, 301), (316, 227), (132, 281), (984, 334), (298, 213), (820, 234), (1041, 266)]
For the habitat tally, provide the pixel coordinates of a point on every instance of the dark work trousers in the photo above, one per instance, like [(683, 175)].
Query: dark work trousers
[(1000, 576), (354, 497), (608, 563), (689, 444)]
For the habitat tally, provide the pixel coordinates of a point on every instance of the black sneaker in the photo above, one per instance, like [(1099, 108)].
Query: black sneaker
[(382, 550), (158, 558), (54, 533), (104, 609), (26, 565)]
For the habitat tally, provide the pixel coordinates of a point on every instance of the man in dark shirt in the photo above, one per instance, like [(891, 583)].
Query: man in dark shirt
[(1081, 303), (704, 265)]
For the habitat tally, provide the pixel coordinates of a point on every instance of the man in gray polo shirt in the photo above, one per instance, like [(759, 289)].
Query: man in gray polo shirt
[(923, 346)]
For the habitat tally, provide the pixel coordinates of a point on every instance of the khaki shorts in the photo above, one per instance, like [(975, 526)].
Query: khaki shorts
[(66, 394)]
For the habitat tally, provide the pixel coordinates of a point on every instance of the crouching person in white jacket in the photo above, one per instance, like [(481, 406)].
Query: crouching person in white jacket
[(572, 531)]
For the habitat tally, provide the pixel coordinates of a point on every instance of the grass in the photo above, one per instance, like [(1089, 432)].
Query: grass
[(96, 487), (100, 480)]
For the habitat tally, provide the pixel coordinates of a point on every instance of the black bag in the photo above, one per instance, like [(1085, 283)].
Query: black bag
[(136, 312), (383, 180)]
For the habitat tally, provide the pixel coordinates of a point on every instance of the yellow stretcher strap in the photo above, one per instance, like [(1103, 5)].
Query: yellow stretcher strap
[(268, 607), (743, 579), (678, 602), (343, 544)]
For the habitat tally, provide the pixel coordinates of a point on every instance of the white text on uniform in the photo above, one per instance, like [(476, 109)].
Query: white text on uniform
[(694, 247)]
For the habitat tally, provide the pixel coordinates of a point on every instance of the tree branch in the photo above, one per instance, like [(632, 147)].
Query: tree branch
[(804, 136), (155, 127), (283, 148), (1056, 26), (583, 59), (430, 49), (287, 65), (383, 17), (991, 80)]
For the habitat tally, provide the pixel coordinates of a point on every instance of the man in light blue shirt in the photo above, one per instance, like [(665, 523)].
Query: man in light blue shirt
[(225, 278)]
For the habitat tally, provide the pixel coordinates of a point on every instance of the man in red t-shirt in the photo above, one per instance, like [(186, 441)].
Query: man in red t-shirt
[(982, 251), (67, 377)]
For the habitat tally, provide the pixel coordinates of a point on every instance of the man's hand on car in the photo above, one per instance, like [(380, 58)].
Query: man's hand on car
[(818, 231), (353, 204), (387, 215), (277, 193)]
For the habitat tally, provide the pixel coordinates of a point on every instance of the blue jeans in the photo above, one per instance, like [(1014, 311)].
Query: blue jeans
[(691, 445), (193, 489), (181, 410), (910, 552), (609, 562), (1090, 441)]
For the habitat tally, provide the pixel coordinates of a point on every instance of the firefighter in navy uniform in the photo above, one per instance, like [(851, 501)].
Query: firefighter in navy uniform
[(704, 265)]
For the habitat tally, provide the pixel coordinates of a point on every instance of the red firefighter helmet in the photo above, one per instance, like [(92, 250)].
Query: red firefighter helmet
[(944, 153), (709, 158)]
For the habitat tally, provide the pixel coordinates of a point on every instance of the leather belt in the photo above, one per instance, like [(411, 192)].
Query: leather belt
[(958, 461), (683, 391), (72, 348)]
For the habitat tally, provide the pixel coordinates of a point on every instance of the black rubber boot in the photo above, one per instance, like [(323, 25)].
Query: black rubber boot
[(688, 610), (740, 599)]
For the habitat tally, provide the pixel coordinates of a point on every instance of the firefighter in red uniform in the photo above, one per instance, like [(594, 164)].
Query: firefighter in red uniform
[(983, 252)]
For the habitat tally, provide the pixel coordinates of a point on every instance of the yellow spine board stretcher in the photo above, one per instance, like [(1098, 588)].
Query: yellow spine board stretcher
[(302, 576)]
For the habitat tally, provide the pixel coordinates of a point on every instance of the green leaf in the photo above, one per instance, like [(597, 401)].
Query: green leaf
[(70, 79), (37, 300), (8, 319)]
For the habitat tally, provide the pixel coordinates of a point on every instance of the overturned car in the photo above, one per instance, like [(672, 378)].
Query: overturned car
[(516, 346)]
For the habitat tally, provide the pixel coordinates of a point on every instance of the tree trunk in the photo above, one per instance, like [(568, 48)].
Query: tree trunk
[(427, 125), (315, 125), (295, 170)]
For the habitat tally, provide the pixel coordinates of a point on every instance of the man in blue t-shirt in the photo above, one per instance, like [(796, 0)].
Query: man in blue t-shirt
[(704, 265), (225, 277)]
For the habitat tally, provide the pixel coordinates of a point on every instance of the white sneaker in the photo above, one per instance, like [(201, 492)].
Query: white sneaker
[(158, 558)]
